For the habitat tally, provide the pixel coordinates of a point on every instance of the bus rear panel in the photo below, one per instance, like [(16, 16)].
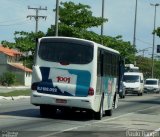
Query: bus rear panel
[(62, 73), (75, 73)]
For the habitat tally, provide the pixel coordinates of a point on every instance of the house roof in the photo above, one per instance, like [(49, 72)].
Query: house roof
[(20, 66), (9, 52)]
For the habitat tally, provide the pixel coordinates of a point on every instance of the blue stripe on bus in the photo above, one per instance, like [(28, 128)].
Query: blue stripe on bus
[(45, 73), (82, 83), (47, 83)]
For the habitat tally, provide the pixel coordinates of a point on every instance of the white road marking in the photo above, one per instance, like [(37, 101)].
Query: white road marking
[(101, 121)]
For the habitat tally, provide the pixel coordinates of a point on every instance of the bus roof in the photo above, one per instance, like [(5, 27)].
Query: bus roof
[(95, 44), (152, 79), (133, 73)]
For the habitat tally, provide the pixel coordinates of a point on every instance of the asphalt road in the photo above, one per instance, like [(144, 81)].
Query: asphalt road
[(135, 116)]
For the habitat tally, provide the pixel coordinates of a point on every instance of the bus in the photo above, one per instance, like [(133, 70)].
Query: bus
[(73, 73)]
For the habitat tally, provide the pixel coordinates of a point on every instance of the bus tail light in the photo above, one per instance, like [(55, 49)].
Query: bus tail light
[(34, 86), (91, 91), (64, 63)]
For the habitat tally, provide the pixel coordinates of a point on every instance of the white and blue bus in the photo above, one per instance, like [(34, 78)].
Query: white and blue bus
[(75, 73)]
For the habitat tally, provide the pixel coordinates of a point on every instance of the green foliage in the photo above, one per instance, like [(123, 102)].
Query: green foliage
[(142, 62), (75, 20), (156, 69), (158, 31), (25, 42), (126, 50), (145, 65), (78, 16), (8, 79)]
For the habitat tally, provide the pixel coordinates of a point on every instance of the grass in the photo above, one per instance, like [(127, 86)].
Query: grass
[(16, 93)]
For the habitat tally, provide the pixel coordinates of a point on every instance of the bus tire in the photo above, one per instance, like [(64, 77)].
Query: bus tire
[(108, 112), (122, 96), (90, 114), (98, 115)]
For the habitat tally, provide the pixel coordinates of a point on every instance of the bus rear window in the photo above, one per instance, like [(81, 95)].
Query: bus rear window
[(71, 53)]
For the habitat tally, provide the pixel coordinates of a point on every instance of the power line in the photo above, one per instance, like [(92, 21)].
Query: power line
[(36, 17), (143, 41), (11, 20), (14, 24)]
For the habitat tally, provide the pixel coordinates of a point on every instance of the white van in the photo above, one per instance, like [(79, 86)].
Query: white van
[(152, 85), (133, 83)]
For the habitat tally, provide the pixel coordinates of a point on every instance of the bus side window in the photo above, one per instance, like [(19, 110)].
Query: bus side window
[(98, 64)]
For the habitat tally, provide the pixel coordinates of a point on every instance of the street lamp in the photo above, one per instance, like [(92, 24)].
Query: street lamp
[(155, 6), (135, 23)]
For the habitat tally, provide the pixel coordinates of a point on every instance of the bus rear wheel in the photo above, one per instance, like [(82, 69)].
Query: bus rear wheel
[(98, 115), (108, 112)]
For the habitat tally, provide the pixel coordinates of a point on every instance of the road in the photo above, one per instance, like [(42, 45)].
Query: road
[(135, 116)]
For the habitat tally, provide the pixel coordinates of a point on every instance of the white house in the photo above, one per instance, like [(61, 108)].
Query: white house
[(9, 61)]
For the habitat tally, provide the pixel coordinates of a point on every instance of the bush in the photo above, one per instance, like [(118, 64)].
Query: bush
[(8, 79)]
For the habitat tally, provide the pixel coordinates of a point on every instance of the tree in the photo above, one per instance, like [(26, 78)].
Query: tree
[(25, 42), (76, 20), (142, 62), (126, 50), (158, 31), (145, 65)]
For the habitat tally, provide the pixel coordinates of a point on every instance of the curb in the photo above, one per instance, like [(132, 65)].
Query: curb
[(18, 87), (13, 97)]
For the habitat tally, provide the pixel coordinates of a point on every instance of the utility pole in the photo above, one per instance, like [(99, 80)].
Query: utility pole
[(56, 17), (155, 6), (135, 24), (36, 17), (102, 23), (143, 51)]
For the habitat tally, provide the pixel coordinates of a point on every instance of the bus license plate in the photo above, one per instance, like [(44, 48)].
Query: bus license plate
[(62, 101)]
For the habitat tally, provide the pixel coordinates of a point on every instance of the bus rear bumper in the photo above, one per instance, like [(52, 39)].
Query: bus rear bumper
[(61, 101)]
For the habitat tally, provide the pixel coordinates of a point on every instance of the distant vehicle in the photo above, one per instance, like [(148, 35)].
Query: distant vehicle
[(131, 68), (72, 73), (152, 85), (133, 83)]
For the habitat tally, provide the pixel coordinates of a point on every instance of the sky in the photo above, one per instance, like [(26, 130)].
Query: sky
[(120, 15)]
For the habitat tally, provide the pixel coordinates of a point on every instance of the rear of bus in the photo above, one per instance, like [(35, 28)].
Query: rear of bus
[(63, 73)]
